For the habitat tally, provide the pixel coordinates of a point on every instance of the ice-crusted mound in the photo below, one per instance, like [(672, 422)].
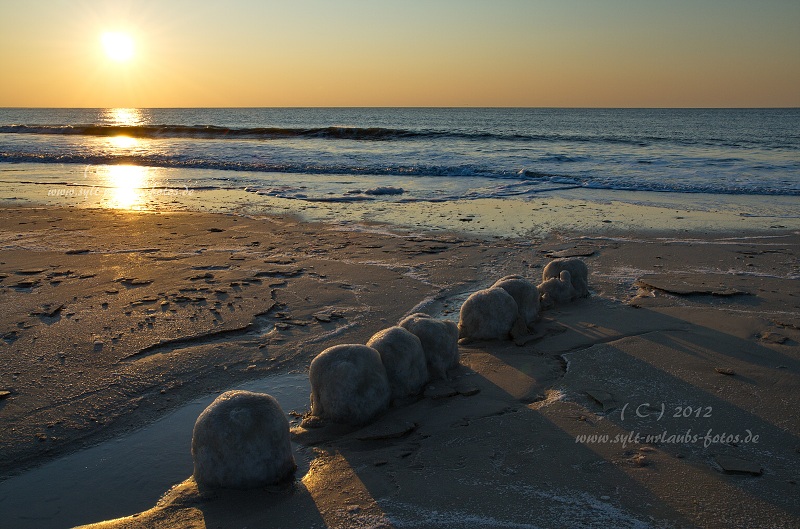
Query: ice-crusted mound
[(349, 385), (404, 359), (439, 341), (558, 290), (241, 441), (526, 294), (488, 314), (578, 272)]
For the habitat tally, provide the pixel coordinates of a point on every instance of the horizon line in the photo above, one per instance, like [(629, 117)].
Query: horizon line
[(499, 107)]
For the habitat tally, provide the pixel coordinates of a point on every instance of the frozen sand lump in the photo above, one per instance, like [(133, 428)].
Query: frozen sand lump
[(558, 290), (404, 359), (578, 273), (487, 315), (525, 294), (241, 441), (439, 341), (348, 384), (510, 307)]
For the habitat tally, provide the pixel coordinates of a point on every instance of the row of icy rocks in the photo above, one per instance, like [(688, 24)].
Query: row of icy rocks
[(242, 439)]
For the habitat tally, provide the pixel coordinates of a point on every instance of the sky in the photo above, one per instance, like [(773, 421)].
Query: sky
[(526, 53)]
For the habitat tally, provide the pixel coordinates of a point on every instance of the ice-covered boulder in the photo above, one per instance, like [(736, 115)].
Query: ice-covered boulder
[(241, 441), (404, 359), (487, 314), (348, 384), (439, 341), (578, 273), (557, 290), (526, 295)]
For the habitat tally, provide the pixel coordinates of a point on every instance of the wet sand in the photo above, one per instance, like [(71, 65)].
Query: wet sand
[(110, 319)]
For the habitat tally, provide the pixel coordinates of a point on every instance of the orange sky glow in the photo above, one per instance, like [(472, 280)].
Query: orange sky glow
[(242, 53)]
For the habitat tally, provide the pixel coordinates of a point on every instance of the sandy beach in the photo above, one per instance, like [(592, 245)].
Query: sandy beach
[(667, 398), (419, 265)]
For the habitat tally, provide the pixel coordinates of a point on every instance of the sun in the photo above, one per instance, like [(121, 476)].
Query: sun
[(118, 46)]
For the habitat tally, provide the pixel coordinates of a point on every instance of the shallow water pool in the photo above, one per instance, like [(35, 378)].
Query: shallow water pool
[(125, 475)]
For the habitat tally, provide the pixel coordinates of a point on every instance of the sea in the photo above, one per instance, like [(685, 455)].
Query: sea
[(390, 155)]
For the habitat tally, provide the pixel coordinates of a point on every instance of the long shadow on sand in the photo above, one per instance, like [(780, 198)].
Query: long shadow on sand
[(519, 441), (506, 460)]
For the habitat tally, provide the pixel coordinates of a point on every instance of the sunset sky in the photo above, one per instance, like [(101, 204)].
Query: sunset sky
[(567, 53)]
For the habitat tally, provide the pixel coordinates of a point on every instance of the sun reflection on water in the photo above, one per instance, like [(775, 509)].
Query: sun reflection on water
[(122, 116), (126, 186), (123, 142)]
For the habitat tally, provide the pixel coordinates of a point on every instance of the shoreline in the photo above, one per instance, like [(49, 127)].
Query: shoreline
[(570, 210), (156, 344)]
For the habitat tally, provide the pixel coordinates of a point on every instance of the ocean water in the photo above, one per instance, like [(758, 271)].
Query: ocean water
[(408, 154)]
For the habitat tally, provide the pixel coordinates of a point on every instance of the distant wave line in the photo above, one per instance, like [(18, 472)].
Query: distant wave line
[(215, 132), (357, 134)]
